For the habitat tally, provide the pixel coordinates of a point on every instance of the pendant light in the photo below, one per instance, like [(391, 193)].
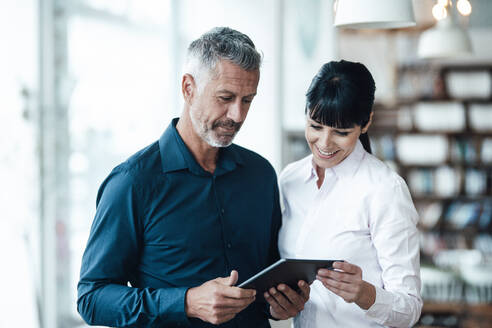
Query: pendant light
[(374, 14), (447, 39)]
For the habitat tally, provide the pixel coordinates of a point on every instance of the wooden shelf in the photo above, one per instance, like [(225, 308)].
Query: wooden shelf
[(455, 308), (433, 198), (379, 131), (456, 164)]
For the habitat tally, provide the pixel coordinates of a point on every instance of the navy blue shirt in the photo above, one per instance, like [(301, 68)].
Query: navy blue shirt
[(163, 225)]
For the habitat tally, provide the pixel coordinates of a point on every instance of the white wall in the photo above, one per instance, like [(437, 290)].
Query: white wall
[(18, 221), (256, 19)]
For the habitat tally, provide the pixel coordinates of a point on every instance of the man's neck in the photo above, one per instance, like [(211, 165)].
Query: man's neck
[(204, 154)]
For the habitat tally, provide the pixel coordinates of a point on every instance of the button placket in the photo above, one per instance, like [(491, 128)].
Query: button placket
[(221, 213), (313, 214)]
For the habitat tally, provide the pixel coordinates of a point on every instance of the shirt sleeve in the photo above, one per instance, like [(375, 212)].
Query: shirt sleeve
[(395, 236), (109, 263)]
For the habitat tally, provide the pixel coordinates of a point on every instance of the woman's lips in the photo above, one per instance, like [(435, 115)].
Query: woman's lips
[(326, 155)]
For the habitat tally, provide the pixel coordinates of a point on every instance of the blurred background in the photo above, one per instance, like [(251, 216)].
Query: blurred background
[(86, 83)]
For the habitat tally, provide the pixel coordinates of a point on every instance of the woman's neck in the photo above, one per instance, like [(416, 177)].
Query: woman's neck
[(321, 176)]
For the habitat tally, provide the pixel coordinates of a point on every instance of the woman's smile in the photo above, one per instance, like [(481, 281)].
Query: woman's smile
[(326, 154)]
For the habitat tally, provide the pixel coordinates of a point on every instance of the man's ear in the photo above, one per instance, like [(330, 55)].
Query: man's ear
[(188, 87), (366, 127)]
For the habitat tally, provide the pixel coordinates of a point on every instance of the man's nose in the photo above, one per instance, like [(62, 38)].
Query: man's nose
[(236, 111)]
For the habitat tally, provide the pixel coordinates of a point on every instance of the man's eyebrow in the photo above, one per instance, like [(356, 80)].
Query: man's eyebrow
[(225, 91), (232, 93)]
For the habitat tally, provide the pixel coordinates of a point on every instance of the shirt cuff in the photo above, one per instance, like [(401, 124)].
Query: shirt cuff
[(381, 309), (172, 306), (268, 313)]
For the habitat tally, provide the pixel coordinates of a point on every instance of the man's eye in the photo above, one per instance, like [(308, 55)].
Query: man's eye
[(247, 101), (225, 98), (316, 127)]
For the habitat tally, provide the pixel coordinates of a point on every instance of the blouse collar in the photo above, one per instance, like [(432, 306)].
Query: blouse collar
[(344, 169)]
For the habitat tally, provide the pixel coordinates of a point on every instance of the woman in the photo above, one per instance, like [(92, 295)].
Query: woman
[(341, 202)]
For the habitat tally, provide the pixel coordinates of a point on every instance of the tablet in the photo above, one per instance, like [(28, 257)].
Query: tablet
[(286, 271)]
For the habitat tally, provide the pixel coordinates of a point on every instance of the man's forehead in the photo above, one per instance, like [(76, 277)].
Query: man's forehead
[(226, 68)]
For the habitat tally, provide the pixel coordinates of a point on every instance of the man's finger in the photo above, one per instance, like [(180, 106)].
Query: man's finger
[(293, 297), (305, 289), (229, 281), (233, 278), (277, 308), (281, 300), (238, 293), (234, 303)]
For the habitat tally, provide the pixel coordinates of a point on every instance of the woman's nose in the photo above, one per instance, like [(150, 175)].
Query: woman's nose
[(325, 139)]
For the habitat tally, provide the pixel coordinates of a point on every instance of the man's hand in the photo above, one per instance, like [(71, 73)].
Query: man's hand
[(346, 281), (216, 301), (286, 303)]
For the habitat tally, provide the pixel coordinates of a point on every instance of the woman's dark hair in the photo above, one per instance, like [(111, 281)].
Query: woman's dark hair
[(341, 95)]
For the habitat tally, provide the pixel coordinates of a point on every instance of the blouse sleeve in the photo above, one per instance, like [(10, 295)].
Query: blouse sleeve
[(393, 221)]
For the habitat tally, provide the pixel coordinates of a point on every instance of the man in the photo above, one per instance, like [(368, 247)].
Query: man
[(188, 209)]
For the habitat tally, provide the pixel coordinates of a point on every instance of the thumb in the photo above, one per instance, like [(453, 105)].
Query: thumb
[(233, 278)]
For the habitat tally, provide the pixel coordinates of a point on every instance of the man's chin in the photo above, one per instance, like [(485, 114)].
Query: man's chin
[(218, 141), (224, 141)]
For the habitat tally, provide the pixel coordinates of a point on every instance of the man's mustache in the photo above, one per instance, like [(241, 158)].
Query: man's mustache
[(228, 124)]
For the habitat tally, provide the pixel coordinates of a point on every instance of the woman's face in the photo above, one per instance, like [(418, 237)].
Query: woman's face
[(331, 145)]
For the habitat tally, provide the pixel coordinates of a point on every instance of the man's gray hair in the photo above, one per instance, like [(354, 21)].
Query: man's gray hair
[(217, 44)]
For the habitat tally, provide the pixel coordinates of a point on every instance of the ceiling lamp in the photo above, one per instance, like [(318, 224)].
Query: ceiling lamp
[(375, 14), (447, 39), (464, 7)]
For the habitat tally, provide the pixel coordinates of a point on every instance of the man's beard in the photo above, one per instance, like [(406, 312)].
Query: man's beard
[(209, 136)]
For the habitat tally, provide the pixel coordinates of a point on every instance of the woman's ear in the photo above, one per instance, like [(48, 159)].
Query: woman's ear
[(368, 124), (188, 87)]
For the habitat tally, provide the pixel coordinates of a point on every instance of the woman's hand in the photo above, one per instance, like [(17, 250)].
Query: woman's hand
[(346, 281)]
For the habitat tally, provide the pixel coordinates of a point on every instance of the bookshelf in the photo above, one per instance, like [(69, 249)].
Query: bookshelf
[(437, 135), (450, 124)]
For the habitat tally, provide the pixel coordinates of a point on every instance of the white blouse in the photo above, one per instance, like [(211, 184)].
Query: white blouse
[(363, 213)]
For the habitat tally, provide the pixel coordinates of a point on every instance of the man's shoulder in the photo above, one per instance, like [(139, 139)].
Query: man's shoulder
[(143, 163), (252, 159)]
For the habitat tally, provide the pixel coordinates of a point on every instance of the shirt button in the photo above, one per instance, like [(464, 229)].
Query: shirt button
[(222, 211), (229, 245)]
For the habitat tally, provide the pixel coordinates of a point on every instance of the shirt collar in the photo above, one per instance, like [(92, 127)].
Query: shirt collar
[(176, 156), (351, 163), (345, 168)]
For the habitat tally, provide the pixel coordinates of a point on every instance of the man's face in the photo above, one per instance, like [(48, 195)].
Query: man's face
[(219, 109)]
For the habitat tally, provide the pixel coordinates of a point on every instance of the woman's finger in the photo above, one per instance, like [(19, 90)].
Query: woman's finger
[(339, 276), (347, 267), (340, 285)]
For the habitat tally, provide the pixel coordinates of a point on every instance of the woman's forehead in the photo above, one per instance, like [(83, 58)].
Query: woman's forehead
[(333, 126)]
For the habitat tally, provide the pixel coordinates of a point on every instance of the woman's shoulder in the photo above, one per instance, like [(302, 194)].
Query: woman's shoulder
[(379, 173)]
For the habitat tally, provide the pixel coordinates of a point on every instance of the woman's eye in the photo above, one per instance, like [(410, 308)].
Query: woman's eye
[(342, 133), (316, 127)]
